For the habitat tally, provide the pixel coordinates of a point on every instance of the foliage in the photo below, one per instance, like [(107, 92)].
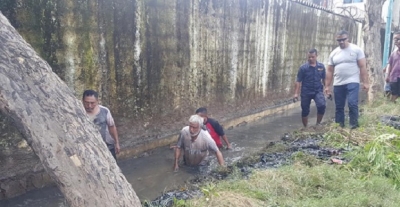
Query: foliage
[(305, 159), (380, 157), (179, 202)]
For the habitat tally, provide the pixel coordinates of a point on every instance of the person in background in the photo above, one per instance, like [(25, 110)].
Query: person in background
[(102, 118), (386, 87), (345, 66), (195, 144), (310, 78), (393, 69), (214, 128)]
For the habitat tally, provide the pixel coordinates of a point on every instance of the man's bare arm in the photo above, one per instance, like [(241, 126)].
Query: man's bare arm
[(220, 158), (362, 64), (389, 70), (228, 146), (114, 135), (177, 156), (328, 79), (297, 89)]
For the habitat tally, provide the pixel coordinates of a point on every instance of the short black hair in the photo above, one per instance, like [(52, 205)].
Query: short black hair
[(397, 32), (201, 110), (313, 51), (342, 32), (90, 93)]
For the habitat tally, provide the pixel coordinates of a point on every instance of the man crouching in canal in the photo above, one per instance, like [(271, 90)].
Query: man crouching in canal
[(195, 144)]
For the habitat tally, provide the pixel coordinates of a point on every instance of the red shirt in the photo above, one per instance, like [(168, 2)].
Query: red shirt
[(215, 130)]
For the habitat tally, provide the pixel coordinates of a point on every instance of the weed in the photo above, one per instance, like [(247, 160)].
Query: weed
[(305, 159), (179, 202), (209, 190)]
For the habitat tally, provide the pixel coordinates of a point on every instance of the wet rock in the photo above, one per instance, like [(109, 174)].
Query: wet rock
[(393, 121), (11, 188), (167, 199), (37, 180), (286, 137), (277, 159), (244, 123), (148, 153)]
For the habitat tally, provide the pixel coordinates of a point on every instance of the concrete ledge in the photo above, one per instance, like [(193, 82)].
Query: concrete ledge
[(141, 148), (15, 186)]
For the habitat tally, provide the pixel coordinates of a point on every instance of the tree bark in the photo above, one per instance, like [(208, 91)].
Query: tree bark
[(372, 41), (55, 125)]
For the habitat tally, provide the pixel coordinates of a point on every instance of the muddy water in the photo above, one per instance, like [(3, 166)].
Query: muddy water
[(151, 174)]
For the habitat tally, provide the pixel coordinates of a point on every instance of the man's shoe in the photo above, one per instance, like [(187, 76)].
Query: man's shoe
[(354, 126)]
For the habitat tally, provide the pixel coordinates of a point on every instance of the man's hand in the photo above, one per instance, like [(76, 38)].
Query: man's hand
[(328, 90), (365, 87), (387, 79), (229, 147), (117, 148), (176, 167), (295, 97), (177, 156)]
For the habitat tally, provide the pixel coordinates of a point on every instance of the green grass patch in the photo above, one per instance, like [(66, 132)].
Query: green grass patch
[(301, 185)]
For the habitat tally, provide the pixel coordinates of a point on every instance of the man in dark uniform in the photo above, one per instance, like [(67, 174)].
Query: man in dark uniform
[(310, 78), (214, 128)]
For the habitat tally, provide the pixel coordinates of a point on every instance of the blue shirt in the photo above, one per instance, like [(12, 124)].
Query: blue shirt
[(311, 78)]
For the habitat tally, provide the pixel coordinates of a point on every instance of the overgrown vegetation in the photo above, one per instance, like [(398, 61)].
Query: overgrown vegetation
[(370, 178)]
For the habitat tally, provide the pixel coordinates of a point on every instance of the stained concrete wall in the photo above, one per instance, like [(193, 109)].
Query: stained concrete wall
[(155, 61)]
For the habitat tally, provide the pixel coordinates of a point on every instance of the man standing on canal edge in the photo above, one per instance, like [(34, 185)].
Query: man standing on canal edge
[(393, 68), (346, 64), (196, 144), (214, 128), (101, 117), (310, 78)]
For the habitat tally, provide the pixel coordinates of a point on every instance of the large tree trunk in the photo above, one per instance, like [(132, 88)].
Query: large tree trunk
[(55, 125), (372, 41)]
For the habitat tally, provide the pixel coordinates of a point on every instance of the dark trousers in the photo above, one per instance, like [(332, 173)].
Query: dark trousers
[(319, 100), (350, 92), (112, 150)]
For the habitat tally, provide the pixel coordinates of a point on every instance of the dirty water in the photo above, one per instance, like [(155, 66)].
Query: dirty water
[(151, 174)]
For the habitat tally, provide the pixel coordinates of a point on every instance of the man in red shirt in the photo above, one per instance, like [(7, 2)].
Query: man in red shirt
[(214, 128)]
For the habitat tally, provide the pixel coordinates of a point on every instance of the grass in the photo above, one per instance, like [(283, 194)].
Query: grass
[(371, 178), (300, 185)]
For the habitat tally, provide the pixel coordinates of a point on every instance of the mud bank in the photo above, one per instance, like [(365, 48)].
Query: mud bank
[(275, 154)]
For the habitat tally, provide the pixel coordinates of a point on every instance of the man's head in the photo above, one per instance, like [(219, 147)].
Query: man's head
[(202, 112), (90, 99), (195, 124), (342, 38), (396, 39), (312, 56)]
